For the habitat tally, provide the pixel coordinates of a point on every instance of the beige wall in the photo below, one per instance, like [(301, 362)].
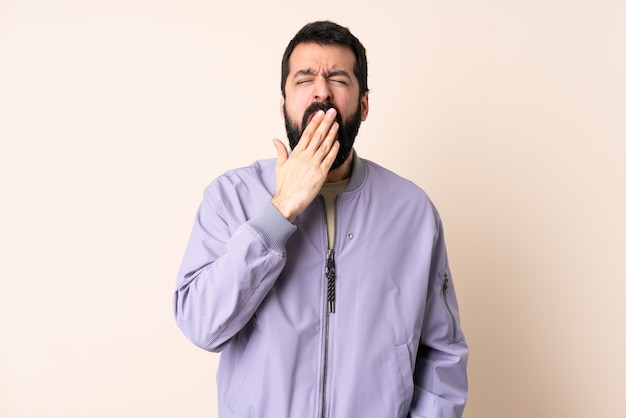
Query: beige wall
[(115, 114)]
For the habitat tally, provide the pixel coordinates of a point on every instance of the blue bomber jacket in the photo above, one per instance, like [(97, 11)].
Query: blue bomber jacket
[(256, 288)]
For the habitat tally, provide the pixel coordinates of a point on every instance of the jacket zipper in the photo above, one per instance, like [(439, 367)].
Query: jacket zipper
[(330, 265), (452, 338), (330, 275), (325, 365), (330, 303)]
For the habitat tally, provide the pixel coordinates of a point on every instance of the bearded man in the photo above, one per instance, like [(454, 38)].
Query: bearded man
[(321, 277)]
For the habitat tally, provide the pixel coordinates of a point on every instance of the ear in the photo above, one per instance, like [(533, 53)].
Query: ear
[(365, 106), (282, 106)]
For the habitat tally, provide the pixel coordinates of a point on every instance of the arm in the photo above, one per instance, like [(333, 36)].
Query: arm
[(223, 279), (230, 266), (441, 367)]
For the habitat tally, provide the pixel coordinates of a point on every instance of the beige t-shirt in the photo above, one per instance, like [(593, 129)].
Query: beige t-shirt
[(329, 192)]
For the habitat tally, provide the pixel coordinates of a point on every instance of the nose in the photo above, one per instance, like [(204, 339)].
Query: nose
[(322, 91)]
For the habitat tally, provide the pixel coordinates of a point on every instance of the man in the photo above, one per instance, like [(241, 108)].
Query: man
[(321, 277)]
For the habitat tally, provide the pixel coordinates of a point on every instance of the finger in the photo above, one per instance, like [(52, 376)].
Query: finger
[(328, 141), (310, 129), (281, 151), (323, 130), (329, 159)]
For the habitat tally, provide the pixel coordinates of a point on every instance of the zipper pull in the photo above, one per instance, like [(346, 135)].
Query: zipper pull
[(330, 275)]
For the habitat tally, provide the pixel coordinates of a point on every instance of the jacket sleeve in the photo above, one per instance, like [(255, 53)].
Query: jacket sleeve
[(440, 375), (228, 268)]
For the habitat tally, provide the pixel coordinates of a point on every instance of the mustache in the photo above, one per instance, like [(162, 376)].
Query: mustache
[(314, 108)]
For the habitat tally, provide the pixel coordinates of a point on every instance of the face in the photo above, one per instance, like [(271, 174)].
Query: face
[(320, 77)]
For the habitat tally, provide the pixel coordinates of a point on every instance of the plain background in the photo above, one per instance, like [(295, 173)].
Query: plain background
[(114, 115)]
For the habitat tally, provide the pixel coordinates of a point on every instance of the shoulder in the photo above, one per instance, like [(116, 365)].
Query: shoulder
[(254, 178), (399, 197), (256, 171), (388, 181)]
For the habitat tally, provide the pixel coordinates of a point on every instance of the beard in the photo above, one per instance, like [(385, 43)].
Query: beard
[(345, 134)]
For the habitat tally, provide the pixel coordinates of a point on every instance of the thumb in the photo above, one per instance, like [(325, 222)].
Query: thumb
[(281, 151)]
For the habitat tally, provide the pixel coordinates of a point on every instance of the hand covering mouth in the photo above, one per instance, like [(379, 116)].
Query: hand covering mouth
[(310, 111)]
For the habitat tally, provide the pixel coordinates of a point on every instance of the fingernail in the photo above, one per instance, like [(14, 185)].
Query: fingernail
[(332, 111), (319, 114)]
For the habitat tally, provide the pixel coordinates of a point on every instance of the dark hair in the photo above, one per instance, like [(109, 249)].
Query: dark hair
[(328, 33)]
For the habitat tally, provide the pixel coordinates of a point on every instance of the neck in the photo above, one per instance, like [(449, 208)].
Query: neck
[(342, 172)]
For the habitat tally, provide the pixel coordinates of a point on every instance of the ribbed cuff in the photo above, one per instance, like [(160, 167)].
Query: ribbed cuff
[(273, 227)]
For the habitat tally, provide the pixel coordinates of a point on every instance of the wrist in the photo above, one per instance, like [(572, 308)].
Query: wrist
[(290, 213)]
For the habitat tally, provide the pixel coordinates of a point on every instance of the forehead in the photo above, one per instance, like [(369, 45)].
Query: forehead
[(327, 57)]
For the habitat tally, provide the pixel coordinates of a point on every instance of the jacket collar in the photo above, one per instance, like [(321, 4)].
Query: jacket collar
[(358, 173)]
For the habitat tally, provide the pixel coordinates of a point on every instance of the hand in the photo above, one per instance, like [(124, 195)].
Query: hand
[(300, 176)]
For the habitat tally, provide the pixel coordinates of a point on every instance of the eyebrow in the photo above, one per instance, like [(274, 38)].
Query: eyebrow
[(332, 73)]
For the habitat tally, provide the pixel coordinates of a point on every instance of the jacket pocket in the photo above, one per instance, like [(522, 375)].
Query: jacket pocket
[(404, 373), (444, 277), (240, 371)]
